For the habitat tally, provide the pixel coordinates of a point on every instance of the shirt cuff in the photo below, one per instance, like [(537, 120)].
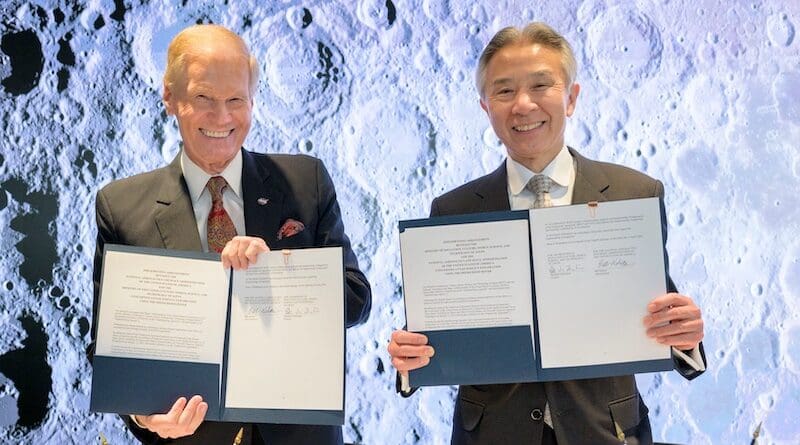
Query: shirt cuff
[(692, 358), (405, 384)]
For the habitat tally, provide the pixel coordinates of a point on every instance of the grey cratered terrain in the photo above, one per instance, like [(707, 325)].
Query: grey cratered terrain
[(703, 95)]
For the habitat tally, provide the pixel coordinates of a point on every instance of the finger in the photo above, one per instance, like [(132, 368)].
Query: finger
[(252, 251), (198, 418), (241, 261), (682, 341), (174, 413), (227, 254), (672, 314), (163, 424), (188, 413), (244, 246), (411, 351), (673, 339), (237, 253), (402, 337), (410, 363), (659, 318), (668, 300), (675, 328), (396, 350)]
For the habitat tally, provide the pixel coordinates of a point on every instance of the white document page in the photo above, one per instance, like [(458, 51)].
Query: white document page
[(162, 307), (286, 344), (596, 269), (473, 275)]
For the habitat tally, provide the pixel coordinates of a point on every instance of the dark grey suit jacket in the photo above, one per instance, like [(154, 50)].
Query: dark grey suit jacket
[(154, 209), (583, 411)]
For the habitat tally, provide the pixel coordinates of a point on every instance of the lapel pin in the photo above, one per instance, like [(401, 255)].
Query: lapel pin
[(262, 201)]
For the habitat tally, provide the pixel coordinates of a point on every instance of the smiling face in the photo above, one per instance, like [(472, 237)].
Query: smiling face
[(213, 105), (528, 101)]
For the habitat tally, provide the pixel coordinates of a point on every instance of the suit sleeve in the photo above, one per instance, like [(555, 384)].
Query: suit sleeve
[(435, 208), (683, 368), (105, 234), (330, 232)]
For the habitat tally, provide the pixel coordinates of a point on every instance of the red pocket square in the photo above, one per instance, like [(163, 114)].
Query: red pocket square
[(289, 228)]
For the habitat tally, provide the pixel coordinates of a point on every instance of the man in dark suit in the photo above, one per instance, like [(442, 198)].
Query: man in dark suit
[(526, 83), (216, 196)]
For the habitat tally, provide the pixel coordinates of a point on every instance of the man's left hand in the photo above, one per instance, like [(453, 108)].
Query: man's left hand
[(674, 320), (241, 251)]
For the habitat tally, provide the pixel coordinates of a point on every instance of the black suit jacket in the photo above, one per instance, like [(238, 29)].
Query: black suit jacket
[(154, 209), (583, 411)]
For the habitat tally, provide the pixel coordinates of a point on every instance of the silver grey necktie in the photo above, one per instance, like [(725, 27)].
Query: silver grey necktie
[(540, 186)]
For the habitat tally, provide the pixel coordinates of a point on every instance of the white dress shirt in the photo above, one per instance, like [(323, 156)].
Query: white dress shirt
[(561, 170)]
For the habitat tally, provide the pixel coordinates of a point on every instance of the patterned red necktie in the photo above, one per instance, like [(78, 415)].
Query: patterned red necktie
[(220, 226)]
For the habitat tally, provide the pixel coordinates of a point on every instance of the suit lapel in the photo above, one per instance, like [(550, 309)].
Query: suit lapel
[(492, 194), (263, 199), (590, 185), (590, 181), (174, 215)]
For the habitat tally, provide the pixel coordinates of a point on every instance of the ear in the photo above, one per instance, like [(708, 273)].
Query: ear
[(572, 98), (484, 106), (169, 100)]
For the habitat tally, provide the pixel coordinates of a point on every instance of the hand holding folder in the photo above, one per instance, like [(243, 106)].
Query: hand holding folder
[(674, 320), (242, 251), (409, 351), (181, 420)]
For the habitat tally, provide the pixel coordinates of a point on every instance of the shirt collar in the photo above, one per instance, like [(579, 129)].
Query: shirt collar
[(559, 170), (197, 178)]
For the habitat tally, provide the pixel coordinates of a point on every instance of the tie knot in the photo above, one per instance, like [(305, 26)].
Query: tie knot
[(540, 186), (215, 185)]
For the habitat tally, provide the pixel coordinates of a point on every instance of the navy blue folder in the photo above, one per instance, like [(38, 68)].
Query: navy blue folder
[(508, 354), (140, 386)]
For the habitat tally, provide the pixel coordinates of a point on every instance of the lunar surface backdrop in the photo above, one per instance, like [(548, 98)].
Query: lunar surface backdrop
[(703, 95)]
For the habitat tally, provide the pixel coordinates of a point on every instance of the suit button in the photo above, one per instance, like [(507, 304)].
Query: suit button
[(536, 414)]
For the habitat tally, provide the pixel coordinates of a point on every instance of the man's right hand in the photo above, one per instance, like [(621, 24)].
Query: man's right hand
[(182, 420), (242, 251), (409, 351)]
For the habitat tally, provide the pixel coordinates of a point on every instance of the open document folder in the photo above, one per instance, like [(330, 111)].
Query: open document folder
[(252, 343), (554, 293)]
